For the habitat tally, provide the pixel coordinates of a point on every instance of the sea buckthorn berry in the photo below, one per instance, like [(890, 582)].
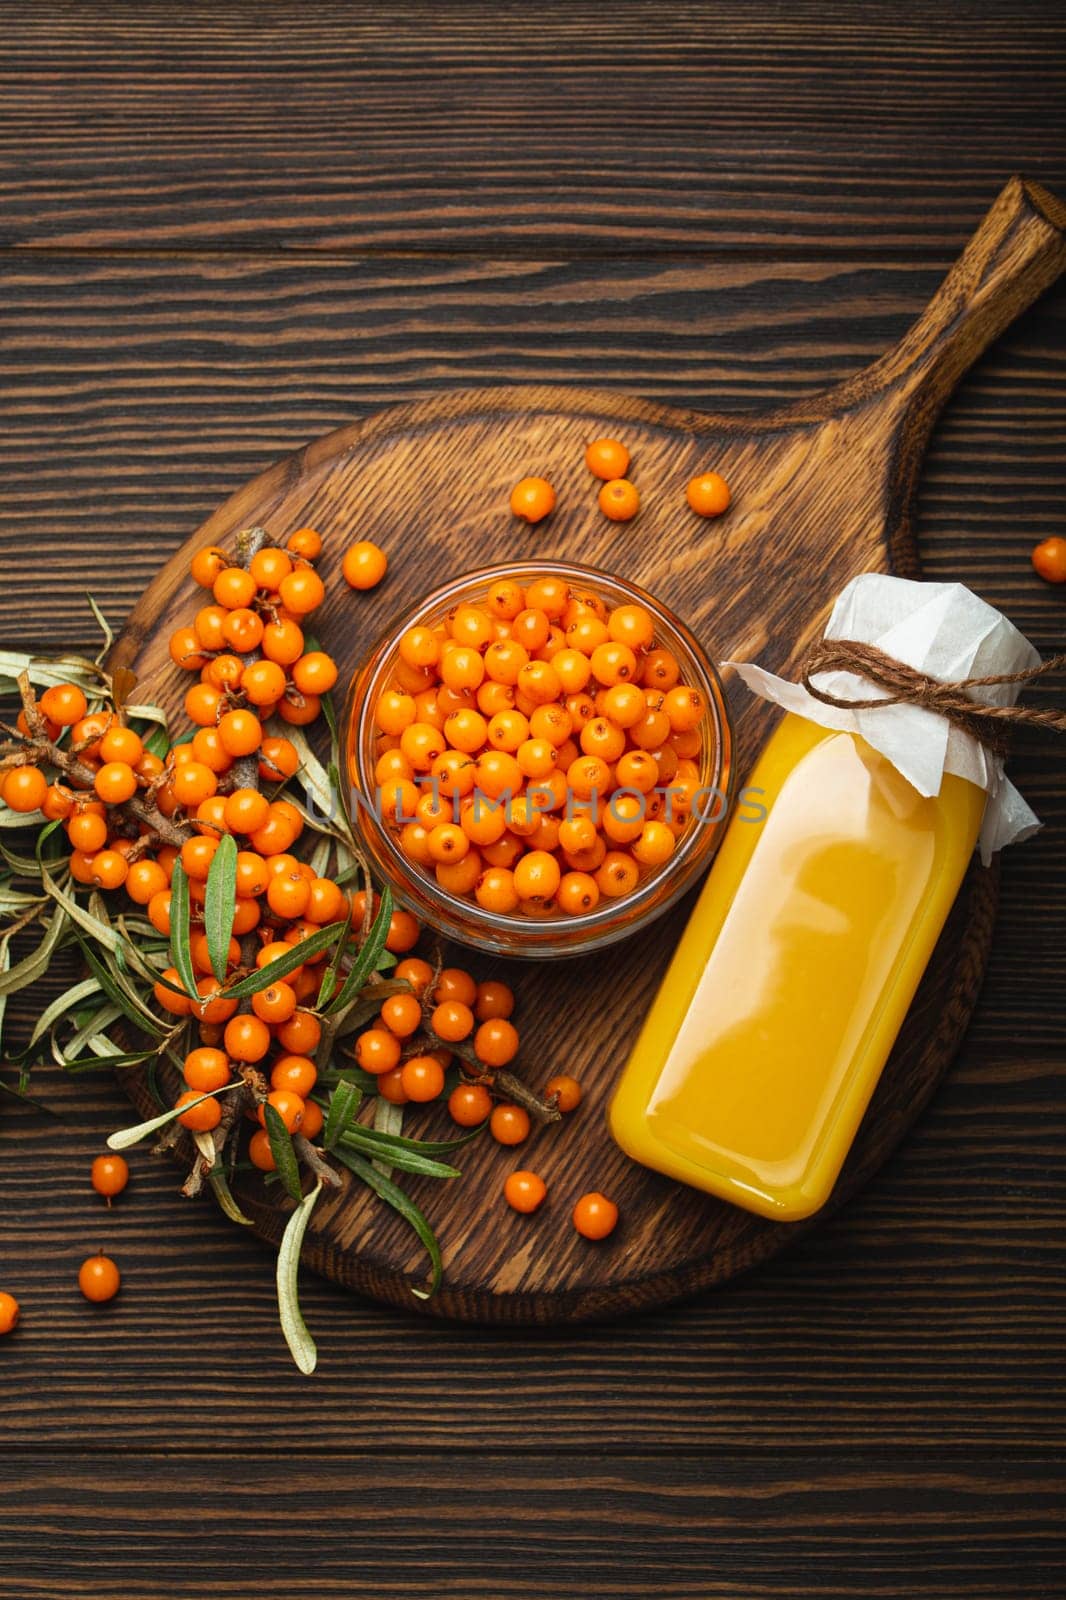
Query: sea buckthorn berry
[(171, 995), (619, 499), (263, 682), (109, 1175), (99, 1279), (314, 673), (531, 629), (504, 853), (602, 738), (632, 625), (578, 892), (288, 894), (234, 588), (58, 803), (206, 565), (243, 630), (390, 1087), (617, 874), (115, 782), (211, 816), (302, 591), (466, 730), (289, 1107), (607, 459), (505, 599), (207, 749), (588, 775), (708, 494), (455, 984), (81, 866), (455, 772), (201, 954), (416, 972), (414, 842), (259, 1152), (554, 723), (9, 1312), (536, 757), (573, 669), (539, 682), (64, 704), (191, 782), (567, 1092), (246, 810), (661, 670), (275, 1004), (459, 877), (276, 835), (206, 1069), (422, 1079), (185, 652), (507, 730), (1049, 560), (470, 625), (85, 735), (306, 543), (613, 663), (537, 876), (223, 671), (524, 1191), (504, 660), (685, 709), (496, 1042), (595, 1216), (403, 932), (197, 855), (296, 1073), (586, 633), (364, 565), (207, 624), (282, 641), (549, 595), (301, 1034), (110, 868), (463, 667), (198, 1117), (509, 1124), (144, 880), (247, 1038), (85, 830), (299, 709), (469, 1104), (327, 902), (494, 890), (377, 1050), (577, 833), (268, 566), (493, 1000), (394, 712), (452, 1021), (639, 770), (532, 499), (421, 744), (419, 647), (402, 1015), (203, 705), (655, 844), (498, 773), (651, 731), (241, 732)]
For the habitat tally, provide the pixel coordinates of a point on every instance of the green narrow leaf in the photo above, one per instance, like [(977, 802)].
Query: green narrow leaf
[(329, 711), (102, 932), (300, 1343), (385, 1156), (61, 1005), (331, 976), (281, 1148), (344, 1102), (283, 965), (123, 995), (394, 1196), (388, 1119), (105, 629), (220, 903), (180, 953), (366, 961), (224, 1195), (5, 966), (125, 1137), (156, 741), (35, 965), (206, 1146)]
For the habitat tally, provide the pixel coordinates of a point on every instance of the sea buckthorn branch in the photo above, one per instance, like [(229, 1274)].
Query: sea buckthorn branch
[(313, 1159)]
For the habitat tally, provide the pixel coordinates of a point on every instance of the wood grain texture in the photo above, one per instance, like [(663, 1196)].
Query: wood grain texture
[(832, 481), (842, 128), (633, 1526), (729, 207)]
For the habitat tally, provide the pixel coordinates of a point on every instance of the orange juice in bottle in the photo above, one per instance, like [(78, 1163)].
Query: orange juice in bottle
[(833, 881)]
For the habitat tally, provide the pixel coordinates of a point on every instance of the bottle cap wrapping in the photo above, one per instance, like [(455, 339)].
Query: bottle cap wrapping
[(947, 632)]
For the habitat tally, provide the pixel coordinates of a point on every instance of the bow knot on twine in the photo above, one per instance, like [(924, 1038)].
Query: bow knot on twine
[(905, 685)]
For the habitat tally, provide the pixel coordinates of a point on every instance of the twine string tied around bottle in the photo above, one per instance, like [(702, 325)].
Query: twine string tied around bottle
[(904, 685)]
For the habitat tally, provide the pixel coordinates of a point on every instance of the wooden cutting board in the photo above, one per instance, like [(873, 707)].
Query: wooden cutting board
[(821, 491)]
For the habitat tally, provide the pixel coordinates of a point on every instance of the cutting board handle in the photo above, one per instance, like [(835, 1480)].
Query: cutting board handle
[(1017, 252)]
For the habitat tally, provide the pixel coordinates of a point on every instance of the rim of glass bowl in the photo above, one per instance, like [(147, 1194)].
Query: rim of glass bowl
[(464, 920)]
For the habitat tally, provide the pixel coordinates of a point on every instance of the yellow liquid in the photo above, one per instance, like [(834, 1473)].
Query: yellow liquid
[(793, 977)]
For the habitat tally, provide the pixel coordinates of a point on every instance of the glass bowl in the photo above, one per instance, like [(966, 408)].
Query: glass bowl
[(515, 934)]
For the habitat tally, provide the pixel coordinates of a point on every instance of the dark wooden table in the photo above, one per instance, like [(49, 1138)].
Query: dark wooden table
[(227, 228)]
